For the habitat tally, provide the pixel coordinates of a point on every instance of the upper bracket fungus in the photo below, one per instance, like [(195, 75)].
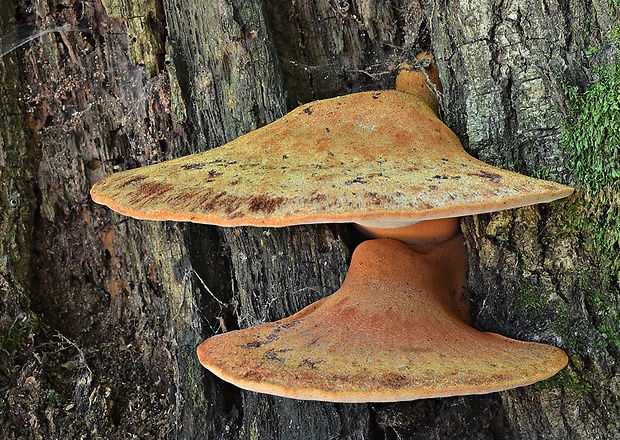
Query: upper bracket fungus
[(399, 327)]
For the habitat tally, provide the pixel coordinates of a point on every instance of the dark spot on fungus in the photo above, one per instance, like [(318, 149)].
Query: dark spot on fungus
[(254, 344), (232, 207), (249, 165), (287, 325), (393, 380), (272, 337), (254, 374), (493, 177), (221, 162), (193, 166), (264, 203), (358, 179), (310, 364), (272, 355), (317, 197), (376, 198), (308, 110), (208, 202), (150, 191), (131, 181), (212, 174)]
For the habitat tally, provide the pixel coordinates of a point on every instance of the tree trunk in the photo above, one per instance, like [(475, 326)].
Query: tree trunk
[(101, 314)]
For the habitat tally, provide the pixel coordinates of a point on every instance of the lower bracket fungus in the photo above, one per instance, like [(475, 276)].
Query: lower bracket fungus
[(399, 327)]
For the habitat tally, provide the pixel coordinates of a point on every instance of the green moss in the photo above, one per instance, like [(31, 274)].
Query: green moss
[(18, 334), (591, 137), (54, 398), (599, 282), (571, 379), (608, 318), (563, 325), (529, 297), (543, 173), (177, 103)]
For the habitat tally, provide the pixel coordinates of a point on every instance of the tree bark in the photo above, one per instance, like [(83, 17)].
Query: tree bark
[(101, 314)]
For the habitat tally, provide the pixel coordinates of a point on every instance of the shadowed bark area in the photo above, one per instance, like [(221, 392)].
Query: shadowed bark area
[(100, 314)]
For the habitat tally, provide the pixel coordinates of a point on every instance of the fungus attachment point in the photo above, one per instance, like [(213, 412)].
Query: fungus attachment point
[(423, 82), (427, 231), (396, 330)]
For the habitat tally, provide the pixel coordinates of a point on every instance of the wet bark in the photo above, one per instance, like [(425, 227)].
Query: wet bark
[(101, 314)]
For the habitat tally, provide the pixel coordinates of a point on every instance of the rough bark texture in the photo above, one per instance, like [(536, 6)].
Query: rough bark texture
[(100, 315)]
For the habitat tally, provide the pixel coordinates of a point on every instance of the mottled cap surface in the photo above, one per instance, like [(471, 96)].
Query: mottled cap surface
[(374, 158), (392, 332)]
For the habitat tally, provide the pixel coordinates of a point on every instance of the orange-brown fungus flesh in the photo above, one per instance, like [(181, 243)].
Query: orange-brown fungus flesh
[(381, 159), (424, 83), (396, 330), (428, 231)]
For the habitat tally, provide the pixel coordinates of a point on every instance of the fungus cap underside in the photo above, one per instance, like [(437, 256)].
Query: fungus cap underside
[(366, 158)]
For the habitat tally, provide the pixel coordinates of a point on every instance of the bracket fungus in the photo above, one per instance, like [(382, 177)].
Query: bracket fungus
[(399, 327)]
